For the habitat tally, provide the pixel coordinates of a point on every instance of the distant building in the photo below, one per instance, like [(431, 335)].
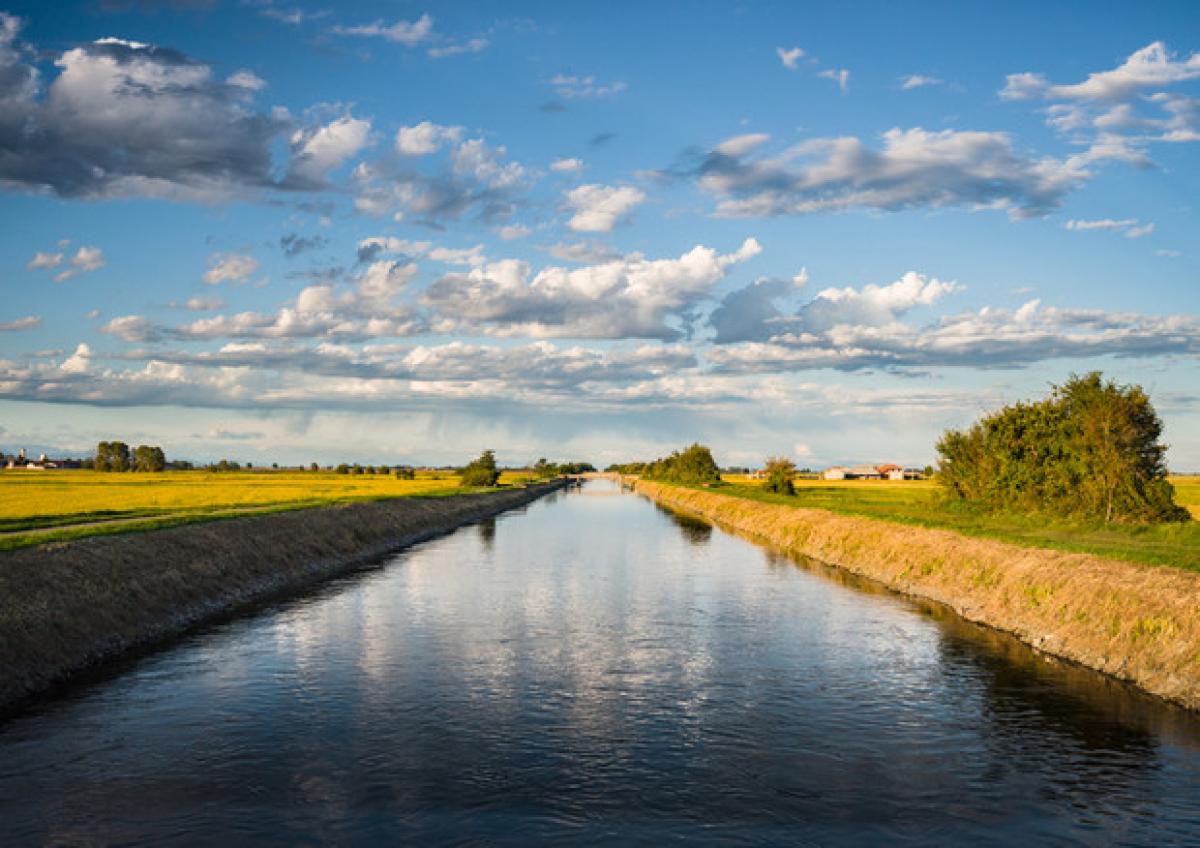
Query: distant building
[(836, 472)]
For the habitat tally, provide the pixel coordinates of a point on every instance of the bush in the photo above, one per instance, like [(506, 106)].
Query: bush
[(1088, 450), (405, 473), (343, 469), (694, 465), (780, 472), (481, 472)]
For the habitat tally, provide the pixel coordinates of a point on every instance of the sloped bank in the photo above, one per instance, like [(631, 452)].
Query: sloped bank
[(70, 606), (1138, 623)]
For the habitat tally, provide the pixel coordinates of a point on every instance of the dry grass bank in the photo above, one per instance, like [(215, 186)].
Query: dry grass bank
[(1137, 622), (68, 606)]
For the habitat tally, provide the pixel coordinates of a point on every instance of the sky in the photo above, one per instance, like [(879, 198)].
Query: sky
[(394, 232)]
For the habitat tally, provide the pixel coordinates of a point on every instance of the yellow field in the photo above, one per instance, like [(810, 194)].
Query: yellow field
[(45, 505), (1187, 493)]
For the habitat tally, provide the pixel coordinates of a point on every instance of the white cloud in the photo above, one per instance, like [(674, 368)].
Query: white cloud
[(598, 208), (514, 231), (839, 75), (472, 256), (918, 81), (248, 80), (29, 322), (566, 166), (1128, 226), (425, 138), (630, 297), (123, 118), (85, 260), (317, 151), (1168, 253), (45, 260), (1151, 66), (408, 33), (790, 57), (571, 87), (474, 45), (229, 267), (915, 168)]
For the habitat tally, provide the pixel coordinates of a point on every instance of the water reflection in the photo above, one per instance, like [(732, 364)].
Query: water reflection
[(598, 670)]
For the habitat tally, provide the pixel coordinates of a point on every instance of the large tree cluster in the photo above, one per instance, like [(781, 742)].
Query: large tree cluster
[(1089, 450)]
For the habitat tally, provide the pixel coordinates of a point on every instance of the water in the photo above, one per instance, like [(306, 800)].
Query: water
[(595, 669)]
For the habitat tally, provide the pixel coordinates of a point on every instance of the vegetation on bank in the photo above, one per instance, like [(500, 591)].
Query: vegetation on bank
[(922, 503), (1090, 450)]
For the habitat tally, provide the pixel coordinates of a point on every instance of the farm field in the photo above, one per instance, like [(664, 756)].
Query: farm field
[(37, 507), (919, 502)]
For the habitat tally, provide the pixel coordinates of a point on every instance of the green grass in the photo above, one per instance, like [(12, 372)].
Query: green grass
[(1176, 545)]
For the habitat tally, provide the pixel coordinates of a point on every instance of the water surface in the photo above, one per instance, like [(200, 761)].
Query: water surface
[(596, 669)]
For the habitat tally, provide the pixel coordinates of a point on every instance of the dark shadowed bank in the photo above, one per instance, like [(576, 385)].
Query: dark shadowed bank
[(70, 606)]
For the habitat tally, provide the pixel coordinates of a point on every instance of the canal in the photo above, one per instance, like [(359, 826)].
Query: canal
[(595, 669)]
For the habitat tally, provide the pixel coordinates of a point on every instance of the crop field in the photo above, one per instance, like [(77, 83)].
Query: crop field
[(45, 506), (919, 502)]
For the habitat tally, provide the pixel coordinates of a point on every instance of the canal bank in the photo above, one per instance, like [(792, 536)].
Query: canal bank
[(1135, 622), (68, 607)]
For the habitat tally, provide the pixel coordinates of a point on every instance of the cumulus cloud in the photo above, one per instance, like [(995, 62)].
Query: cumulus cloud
[(915, 168), (85, 260), (29, 322), (229, 267), (408, 33), (790, 56), (1112, 112), (753, 313), (1129, 227), (631, 297), (571, 87), (425, 138), (472, 176), (1152, 66), (318, 150), (124, 118), (566, 166), (598, 208)]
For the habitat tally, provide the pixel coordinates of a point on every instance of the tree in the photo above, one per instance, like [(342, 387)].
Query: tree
[(481, 471), (1090, 450), (780, 472), (149, 458), (112, 456), (405, 473), (343, 469), (314, 467)]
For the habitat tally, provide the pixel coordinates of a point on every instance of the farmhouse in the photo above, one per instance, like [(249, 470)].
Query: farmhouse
[(887, 471)]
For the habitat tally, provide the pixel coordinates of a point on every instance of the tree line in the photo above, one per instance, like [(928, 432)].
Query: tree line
[(116, 456)]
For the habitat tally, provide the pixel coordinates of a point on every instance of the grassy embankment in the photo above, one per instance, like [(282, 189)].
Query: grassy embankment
[(918, 503), (1134, 621), (53, 506)]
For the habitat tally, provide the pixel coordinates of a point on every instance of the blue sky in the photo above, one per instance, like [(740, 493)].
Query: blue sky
[(403, 232)]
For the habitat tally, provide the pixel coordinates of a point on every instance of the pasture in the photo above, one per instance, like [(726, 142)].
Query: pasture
[(45, 506)]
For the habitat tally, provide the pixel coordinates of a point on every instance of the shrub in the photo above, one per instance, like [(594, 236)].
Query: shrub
[(780, 472), (1088, 450), (481, 471)]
